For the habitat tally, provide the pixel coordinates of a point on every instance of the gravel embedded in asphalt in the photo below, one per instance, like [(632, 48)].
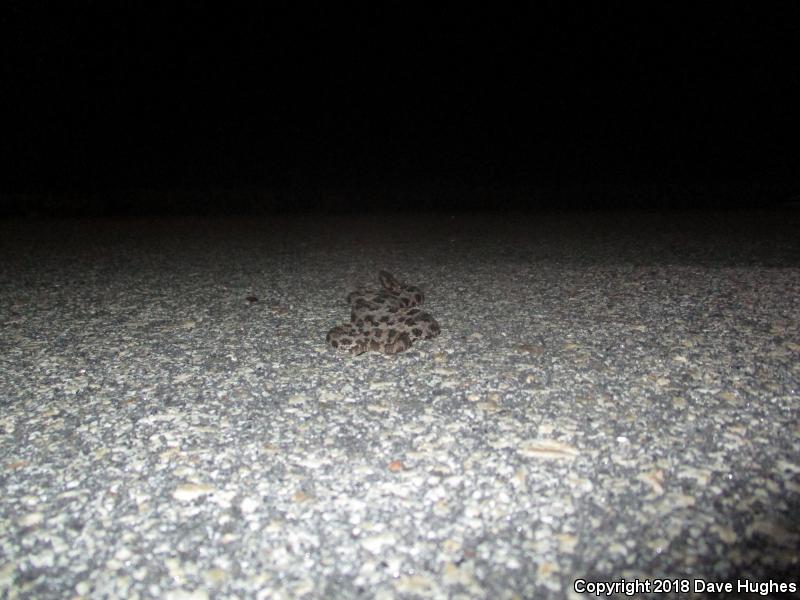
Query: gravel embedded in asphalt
[(612, 396)]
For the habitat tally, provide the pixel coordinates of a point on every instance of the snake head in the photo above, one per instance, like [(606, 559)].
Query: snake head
[(409, 295), (389, 282)]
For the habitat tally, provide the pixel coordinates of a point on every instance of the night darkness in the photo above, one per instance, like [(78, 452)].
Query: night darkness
[(192, 108)]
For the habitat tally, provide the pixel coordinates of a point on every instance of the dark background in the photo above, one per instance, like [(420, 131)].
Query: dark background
[(115, 108)]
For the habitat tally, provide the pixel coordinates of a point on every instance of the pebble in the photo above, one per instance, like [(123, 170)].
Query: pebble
[(191, 491)]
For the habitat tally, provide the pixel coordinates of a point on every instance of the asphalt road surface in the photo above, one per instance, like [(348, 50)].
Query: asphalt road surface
[(613, 396)]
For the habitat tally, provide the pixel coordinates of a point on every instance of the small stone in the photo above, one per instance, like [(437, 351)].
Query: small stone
[(300, 496), (43, 560), (455, 575), (566, 542), (726, 534), (215, 576), (396, 465), (302, 588), (531, 349), (489, 407), (297, 399), (451, 546), (381, 385), (249, 505), (376, 543), (417, 584), (548, 449), (279, 309), (546, 569), (654, 479), (328, 396), (123, 554), (31, 519), (189, 491)]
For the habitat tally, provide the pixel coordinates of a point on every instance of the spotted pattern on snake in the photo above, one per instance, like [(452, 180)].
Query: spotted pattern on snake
[(386, 320)]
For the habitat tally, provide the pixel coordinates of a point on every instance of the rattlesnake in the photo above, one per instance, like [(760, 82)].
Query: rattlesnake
[(384, 320)]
